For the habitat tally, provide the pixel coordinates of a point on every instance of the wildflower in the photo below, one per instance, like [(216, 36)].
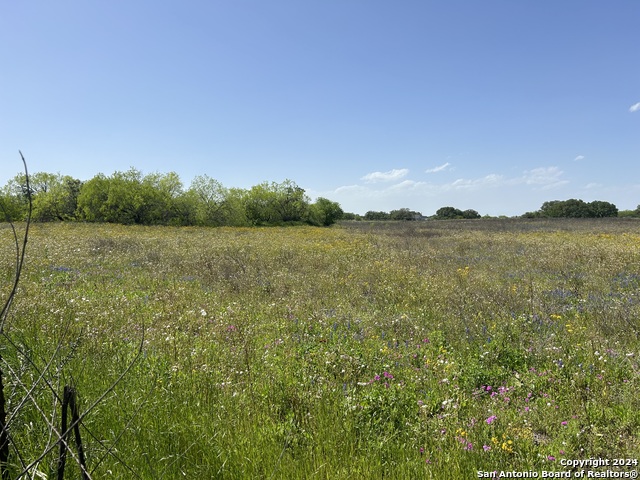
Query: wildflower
[(551, 458), (491, 419), (507, 446), (486, 448), (469, 446), (564, 424)]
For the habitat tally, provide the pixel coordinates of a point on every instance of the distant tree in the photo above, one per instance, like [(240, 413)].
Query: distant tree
[(404, 214), (628, 214), (535, 214), (470, 214), (571, 208), (575, 208), (448, 213), (601, 209), (371, 215)]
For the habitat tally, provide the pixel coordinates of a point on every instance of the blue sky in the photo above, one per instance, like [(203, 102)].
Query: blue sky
[(497, 105)]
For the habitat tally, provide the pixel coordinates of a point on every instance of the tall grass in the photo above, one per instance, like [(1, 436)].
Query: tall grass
[(426, 350)]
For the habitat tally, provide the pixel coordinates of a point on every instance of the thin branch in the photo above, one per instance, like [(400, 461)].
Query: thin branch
[(19, 254)]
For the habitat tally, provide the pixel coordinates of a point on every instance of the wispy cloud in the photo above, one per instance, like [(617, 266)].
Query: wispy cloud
[(544, 177), (438, 168), (578, 158), (635, 107), (390, 176), (491, 180)]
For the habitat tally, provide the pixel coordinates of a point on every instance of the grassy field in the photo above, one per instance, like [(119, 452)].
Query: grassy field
[(412, 350)]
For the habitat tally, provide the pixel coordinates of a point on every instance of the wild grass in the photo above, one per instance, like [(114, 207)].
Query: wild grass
[(420, 350)]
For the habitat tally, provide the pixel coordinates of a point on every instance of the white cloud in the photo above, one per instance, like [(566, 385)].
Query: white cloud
[(491, 180), (404, 185), (391, 175), (635, 107), (438, 168), (349, 188), (545, 177), (578, 158)]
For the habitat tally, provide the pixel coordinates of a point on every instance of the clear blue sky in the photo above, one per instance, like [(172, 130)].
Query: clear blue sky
[(494, 105)]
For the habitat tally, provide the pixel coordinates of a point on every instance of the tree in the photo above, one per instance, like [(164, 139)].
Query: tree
[(210, 197), (575, 208), (325, 212), (371, 215), (404, 214), (600, 209), (53, 196), (448, 213), (93, 195), (159, 193), (59, 201), (291, 203), (276, 203), (13, 205), (470, 214)]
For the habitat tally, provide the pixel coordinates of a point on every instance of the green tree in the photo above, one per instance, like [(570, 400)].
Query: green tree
[(575, 208), (470, 214), (448, 213), (159, 197), (325, 212), (211, 201), (372, 215), (404, 214), (601, 209), (276, 203), (291, 203), (54, 197), (93, 194), (125, 199), (114, 199)]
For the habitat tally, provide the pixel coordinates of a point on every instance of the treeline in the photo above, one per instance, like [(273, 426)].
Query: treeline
[(571, 208), (444, 213), (574, 208), (161, 199)]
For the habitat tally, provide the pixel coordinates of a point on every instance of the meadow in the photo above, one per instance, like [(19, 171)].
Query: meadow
[(431, 349)]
